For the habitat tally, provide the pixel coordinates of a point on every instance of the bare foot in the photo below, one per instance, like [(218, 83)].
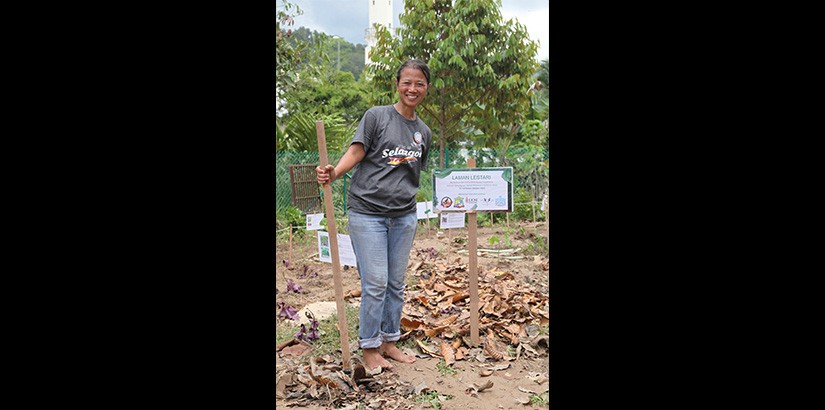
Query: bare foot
[(389, 349), (373, 359)]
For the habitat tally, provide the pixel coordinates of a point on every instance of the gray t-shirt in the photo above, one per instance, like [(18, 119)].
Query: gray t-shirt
[(386, 180)]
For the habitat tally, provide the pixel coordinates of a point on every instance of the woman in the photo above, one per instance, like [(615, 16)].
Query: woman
[(388, 153)]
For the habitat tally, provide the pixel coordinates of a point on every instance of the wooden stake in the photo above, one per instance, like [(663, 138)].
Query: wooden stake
[(507, 217), (533, 203), (427, 220), (471, 224), (290, 243), (333, 249)]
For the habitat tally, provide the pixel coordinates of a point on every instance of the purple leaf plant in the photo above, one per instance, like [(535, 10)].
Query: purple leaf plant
[(287, 311), (292, 286)]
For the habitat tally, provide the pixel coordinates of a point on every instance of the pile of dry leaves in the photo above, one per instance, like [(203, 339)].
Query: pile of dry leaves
[(437, 314), (324, 381)]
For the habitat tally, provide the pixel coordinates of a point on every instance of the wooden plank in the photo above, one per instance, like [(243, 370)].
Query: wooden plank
[(333, 250), (473, 245)]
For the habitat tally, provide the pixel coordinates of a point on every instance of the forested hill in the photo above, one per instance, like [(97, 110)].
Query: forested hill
[(352, 55)]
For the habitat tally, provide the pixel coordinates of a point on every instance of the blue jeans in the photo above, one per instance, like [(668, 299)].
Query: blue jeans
[(382, 249)]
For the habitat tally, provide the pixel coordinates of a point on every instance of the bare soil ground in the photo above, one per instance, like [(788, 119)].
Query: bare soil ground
[(434, 253)]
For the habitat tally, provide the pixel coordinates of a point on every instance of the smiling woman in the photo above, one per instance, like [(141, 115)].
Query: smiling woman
[(382, 208)]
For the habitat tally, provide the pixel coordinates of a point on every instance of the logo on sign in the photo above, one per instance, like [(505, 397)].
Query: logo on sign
[(500, 201), (459, 202)]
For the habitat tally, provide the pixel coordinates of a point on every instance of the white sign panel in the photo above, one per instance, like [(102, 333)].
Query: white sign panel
[(345, 253), (424, 210), (452, 220), (473, 189), (421, 210), (314, 221)]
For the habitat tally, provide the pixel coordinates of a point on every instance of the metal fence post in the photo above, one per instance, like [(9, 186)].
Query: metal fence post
[(345, 192)]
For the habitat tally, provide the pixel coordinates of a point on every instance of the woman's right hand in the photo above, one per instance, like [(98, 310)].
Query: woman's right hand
[(325, 174)]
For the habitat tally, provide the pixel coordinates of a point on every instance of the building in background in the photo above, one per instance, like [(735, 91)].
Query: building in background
[(380, 11)]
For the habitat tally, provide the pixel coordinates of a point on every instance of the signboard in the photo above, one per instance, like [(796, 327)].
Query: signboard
[(473, 189), (425, 210), (314, 221), (452, 220), (346, 255)]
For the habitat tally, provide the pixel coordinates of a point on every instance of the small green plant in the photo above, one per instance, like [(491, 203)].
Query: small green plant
[(493, 240), (290, 216), (511, 351), (433, 398), (444, 369), (544, 330), (408, 343), (539, 400), (537, 246), (412, 283)]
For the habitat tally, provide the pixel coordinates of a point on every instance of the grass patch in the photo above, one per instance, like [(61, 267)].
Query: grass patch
[(285, 330), (540, 400), (444, 369), (433, 398), (330, 338), (408, 342)]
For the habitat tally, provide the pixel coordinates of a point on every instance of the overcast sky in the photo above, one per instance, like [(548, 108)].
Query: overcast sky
[(350, 18)]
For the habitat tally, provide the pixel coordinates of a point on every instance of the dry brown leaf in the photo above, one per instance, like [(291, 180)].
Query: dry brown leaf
[(491, 349), (459, 297), (447, 320), (484, 386), (523, 400), (485, 373), (408, 324), (297, 350), (456, 343), (290, 342), (426, 349), (353, 293), (447, 353), (435, 331)]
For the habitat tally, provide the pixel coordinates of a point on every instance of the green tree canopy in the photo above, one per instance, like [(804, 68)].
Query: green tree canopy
[(479, 64)]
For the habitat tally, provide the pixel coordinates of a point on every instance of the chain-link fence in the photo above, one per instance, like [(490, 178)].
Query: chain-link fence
[(531, 171)]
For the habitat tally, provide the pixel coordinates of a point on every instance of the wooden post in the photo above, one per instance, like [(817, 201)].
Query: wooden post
[(533, 203), (333, 249), (290, 244), (427, 220), (507, 217), (471, 225)]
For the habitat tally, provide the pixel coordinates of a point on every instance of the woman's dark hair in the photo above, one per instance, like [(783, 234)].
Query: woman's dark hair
[(414, 63)]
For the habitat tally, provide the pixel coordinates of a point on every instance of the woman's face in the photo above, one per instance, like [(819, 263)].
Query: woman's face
[(411, 86)]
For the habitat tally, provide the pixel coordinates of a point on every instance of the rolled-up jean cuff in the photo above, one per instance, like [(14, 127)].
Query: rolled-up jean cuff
[(373, 343), (390, 337)]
